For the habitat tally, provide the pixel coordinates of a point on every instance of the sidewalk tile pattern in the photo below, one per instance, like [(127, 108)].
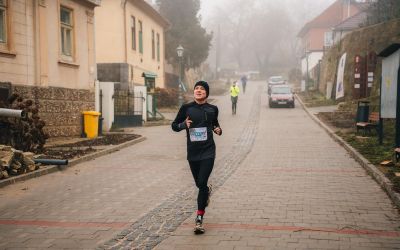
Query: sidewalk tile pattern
[(296, 189), (159, 223)]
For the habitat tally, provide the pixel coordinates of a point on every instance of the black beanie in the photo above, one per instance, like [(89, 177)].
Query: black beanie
[(205, 86)]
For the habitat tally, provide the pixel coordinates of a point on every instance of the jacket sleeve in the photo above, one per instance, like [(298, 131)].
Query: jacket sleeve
[(215, 122), (179, 123)]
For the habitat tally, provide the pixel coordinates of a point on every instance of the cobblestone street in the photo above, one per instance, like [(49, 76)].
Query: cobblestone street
[(280, 183)]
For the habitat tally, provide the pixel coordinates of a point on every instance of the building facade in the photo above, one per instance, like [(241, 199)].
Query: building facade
[(130, 43), (47, 53), (317, 35)]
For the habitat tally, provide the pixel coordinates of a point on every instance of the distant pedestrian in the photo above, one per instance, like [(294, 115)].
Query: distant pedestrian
[(200, 120), (244, 83), (234, 91)]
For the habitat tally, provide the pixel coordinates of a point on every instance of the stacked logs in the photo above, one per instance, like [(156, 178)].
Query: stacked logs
[(24, 134), (15, 162)]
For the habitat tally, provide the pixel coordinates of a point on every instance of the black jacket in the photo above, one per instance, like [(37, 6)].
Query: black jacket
[(202, 116)]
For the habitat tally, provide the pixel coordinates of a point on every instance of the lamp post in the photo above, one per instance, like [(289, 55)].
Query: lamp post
[(179, 51)]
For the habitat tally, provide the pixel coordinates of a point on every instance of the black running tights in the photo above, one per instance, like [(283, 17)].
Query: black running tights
[(201, 170)]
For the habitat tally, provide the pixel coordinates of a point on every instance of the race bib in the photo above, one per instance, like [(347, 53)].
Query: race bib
[(198, 134)]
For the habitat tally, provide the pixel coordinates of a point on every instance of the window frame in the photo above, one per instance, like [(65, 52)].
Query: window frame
[(153, 45), (158, 47), (140, 36), (328, 38), (4, 8), (6, 47), (133, 32), (65, 27)]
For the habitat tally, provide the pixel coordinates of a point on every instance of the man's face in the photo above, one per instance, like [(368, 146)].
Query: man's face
[(199, 93)]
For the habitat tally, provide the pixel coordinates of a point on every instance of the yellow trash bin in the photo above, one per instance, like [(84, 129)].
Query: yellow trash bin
[(91, 123)]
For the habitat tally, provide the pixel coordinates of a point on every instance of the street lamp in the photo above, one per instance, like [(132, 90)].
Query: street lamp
[(180, 51)]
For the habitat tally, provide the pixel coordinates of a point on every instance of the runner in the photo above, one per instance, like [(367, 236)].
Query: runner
[(244, 83), (234, 90), (200, 120)]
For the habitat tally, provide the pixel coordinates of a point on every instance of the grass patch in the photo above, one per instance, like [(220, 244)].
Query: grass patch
[(376, 153), (315, 99)]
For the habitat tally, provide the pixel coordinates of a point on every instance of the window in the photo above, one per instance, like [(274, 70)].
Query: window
[(140, 37), (328, 39), (153, 46), (133, 32), (3, 23), (158, 47), (67, 28)]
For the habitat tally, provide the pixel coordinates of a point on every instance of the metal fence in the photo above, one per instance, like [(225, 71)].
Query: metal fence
[(128, 108)]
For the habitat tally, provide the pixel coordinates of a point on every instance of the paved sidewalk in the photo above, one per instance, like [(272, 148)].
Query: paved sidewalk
[(297, 189), (281, 183), (85, 206)]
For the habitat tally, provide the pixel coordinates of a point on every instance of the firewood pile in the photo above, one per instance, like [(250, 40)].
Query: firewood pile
[(24, 134), (15, 162)]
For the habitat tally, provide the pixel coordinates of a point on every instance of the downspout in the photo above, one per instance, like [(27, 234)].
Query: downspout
[(27, 40), (348, 9), (36, 55), (125, 37)]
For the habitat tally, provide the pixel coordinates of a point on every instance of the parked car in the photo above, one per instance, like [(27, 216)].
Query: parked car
[(275, 80), (281, 95)]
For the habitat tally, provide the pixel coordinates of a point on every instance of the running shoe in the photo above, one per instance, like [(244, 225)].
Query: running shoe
[(199, 229)]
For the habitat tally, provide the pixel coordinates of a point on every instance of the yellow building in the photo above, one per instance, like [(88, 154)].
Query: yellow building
[(47, 54), (130, 43)]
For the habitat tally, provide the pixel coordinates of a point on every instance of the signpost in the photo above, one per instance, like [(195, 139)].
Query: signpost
[(357, 76), (364, 69)]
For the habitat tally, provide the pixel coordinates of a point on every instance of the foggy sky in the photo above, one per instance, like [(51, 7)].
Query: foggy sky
[(298, 11), (314, 6)]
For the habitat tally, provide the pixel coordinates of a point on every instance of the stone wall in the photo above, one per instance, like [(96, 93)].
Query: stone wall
[(60, 108), (360, 42)]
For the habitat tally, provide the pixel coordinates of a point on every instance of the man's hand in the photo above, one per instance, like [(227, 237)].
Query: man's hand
[(188, 122), (218, 130)]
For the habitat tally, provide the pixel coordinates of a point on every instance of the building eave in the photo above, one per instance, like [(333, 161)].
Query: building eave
[(93, 2), (389, 50), (148, 9)]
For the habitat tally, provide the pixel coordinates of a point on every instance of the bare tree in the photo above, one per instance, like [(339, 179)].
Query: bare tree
[(262, 34)]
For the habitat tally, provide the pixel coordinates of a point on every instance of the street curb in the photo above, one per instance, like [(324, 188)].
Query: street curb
[(157, 123), (54, 168), (377, 175)]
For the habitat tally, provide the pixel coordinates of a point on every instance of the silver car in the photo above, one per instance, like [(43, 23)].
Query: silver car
[(275, 80)]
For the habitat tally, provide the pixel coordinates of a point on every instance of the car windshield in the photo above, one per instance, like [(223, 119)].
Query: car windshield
[(276, 79), (281, 90)]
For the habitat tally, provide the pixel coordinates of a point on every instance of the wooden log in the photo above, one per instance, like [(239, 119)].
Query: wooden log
[(6, 158)]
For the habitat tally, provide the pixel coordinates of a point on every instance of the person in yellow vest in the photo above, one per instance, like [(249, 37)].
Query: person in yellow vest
[(234, 96)]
